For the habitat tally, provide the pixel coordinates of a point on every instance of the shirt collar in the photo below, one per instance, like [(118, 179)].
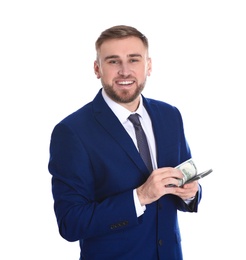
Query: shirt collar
[(121, 112)]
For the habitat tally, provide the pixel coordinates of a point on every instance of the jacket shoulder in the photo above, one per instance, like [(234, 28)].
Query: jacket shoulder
[(161, 106)]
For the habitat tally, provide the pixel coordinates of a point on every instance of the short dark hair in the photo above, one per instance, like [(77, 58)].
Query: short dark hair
[(119, 32)]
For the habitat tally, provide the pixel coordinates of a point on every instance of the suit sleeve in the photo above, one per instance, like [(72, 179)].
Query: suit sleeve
[(193, 205), (79, 214), (185, 154)]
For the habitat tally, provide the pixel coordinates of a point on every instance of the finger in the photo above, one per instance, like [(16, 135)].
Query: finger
[(172, 182), (191, 185), (171, 172)]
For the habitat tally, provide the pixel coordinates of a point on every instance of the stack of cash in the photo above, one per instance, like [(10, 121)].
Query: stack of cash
[(189, 170)]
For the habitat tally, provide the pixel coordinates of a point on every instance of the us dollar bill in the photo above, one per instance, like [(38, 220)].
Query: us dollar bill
[(189, 170)]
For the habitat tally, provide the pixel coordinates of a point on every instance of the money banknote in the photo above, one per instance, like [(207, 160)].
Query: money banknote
[(189, 170)]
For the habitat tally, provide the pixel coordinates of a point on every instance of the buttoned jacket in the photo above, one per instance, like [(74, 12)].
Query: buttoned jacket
[(95, 166)]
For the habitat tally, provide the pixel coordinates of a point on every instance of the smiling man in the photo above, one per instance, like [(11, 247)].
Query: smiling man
[(112, 162), (123, 66)]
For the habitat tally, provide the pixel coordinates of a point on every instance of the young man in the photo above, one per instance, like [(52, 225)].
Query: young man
[(105, 196)]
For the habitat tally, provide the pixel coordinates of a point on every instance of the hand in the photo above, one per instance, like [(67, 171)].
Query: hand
[(158, 184), (188, 190)]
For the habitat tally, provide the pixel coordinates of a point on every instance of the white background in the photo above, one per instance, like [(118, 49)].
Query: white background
[(46, 72)]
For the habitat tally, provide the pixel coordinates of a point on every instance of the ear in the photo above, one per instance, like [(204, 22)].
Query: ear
[(149, 66), (97, 69)]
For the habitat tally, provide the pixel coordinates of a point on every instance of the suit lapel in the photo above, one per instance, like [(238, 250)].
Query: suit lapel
[(159, 129), (107, 119)]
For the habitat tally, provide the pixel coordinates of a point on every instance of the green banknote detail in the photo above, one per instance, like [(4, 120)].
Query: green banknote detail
[(189, 170)]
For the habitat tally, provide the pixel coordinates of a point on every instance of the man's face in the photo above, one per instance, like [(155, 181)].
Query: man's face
[(123, 66)]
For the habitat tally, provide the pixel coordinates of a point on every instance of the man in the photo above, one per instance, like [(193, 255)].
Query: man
[(104, 194)]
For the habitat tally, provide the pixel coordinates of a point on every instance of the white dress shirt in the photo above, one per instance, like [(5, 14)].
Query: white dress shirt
[(122, 114)]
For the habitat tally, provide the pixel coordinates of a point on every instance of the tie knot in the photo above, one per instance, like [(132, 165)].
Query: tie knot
[(134, 118)]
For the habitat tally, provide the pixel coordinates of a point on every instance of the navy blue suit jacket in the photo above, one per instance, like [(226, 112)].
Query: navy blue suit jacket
[(95, 166)]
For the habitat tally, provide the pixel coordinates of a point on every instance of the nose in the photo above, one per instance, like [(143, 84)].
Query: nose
[(124, 70)]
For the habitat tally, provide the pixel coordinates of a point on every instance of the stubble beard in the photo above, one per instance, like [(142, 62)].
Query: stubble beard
[(124, 96)]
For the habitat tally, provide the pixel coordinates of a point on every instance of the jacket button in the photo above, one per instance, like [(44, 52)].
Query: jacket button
[(112, 227), (160, 242)]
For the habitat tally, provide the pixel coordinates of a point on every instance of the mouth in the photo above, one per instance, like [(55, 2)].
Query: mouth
[(125, 82)]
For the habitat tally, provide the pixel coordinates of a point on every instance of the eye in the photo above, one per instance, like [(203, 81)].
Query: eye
[(134, 60), (113, 61)]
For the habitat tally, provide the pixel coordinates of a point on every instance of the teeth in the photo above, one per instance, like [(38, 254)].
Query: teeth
[(125, 82)]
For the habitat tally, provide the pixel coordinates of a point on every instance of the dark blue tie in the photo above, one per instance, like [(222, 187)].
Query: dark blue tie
[(141, 141)]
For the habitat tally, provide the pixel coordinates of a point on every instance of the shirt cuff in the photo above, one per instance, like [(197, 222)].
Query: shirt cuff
[(139, 208), (188, 201)]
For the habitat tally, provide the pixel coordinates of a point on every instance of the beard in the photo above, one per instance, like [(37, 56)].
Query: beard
[(123, 96)]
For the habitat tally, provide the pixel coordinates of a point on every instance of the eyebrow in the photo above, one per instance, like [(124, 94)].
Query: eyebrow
[(117, 56)]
